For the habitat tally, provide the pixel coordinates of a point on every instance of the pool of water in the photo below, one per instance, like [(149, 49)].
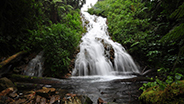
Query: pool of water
[(104, 87)]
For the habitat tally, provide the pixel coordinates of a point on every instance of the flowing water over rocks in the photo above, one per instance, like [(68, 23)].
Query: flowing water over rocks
[(100, 62), (99, 55), (34, 67), (99, 66)]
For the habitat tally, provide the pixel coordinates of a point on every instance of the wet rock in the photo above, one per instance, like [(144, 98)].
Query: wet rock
[(71, 95), (45, 92), (109, 51), (6, 91), (54, 98), (76, 99), (31, 95), (5, 83), (19, 101), (13, 95), (38, 99), (41, 96), (100, 101), (43, 101), (112, 55), (101, 92)]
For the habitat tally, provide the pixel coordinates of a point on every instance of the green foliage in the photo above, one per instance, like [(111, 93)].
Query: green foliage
[(139, 26), (34, 25), (172, 94), (172, 78), (128, 25), (176, 34), (178, 13), (16, 17), (152, 32), (59, 41)]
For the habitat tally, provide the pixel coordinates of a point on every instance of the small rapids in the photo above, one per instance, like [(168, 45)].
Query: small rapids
[(99, 55)]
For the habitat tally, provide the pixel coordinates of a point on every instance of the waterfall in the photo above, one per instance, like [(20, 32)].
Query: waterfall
[(34, 67), (99, 55)]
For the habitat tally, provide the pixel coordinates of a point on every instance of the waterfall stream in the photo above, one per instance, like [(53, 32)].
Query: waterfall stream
[(99, 66), (99, 55), (34, 67)]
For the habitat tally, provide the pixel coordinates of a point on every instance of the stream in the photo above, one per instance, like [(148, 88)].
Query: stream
[(105, 87), (100, 63)]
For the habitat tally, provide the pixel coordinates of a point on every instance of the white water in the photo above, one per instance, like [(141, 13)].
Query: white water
[(93, 58), (34, 67)]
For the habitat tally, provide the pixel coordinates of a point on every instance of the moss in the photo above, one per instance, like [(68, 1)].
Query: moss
[(19, 76), (25, 76), (172, 94)]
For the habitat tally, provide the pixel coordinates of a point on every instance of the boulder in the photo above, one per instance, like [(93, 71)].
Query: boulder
[(100, 101), (76, 99), (6, 91), (46, 92), (6, 83)]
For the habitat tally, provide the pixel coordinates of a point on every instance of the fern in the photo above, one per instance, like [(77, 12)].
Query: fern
[(174, 34), (178, 13)]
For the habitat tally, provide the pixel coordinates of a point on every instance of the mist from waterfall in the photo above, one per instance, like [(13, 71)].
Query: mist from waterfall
[(99, 55)]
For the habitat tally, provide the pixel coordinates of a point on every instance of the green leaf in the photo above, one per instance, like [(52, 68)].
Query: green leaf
[(178, 76), (134, 44), (62, 7), (162, 87), (169, 80)]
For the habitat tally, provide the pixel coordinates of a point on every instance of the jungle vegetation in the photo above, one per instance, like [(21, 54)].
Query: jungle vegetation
[(152, 31), (35, 25)]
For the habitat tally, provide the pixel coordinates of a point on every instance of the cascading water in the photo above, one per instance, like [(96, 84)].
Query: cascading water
[(99, 55), (34, 67)]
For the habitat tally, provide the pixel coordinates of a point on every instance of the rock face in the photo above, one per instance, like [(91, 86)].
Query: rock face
[(5, 83)]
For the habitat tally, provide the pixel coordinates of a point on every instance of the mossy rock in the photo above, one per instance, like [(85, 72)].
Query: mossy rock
[(172, 94), (5, 83)]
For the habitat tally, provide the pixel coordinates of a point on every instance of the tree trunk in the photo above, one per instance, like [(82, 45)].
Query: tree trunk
[(33, 79), (5, 62)]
